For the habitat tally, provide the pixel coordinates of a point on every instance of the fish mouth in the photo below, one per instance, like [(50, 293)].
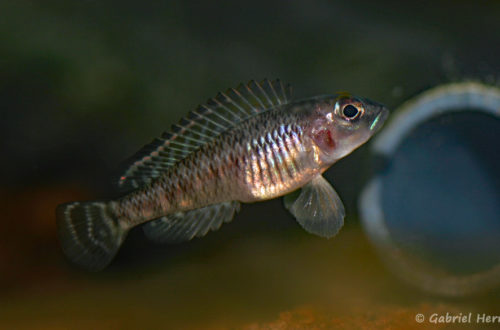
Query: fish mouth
[(378, 122)]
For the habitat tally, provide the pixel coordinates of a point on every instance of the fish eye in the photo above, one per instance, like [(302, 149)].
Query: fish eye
[(350, 111)]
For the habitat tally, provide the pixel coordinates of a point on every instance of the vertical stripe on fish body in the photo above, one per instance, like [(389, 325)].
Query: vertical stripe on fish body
[(263, 157), (248, 144)]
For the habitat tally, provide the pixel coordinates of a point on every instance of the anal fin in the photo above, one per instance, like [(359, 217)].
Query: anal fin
[(317, 208), (184, 226)]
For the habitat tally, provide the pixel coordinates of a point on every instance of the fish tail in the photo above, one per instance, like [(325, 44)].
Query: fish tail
[(90, 233)]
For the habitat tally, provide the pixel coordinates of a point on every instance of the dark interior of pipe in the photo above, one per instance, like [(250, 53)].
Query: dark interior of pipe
[(441, 192)]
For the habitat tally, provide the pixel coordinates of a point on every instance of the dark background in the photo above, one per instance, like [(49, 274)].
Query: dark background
[(84, 84)]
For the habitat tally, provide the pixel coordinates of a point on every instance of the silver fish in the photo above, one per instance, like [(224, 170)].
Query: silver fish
[(248, 144)]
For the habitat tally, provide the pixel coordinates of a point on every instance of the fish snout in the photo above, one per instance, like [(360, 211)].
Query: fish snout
[(380, 118)]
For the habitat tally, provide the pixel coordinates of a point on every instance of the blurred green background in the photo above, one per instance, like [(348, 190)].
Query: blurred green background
[(84, 84)]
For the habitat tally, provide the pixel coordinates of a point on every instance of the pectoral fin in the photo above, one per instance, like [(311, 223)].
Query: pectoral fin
[(317, 208)]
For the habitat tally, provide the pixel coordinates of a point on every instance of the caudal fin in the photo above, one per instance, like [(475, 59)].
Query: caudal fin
[(90, 233)]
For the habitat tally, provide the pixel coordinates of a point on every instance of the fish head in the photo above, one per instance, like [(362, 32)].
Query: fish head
[(344, 122)]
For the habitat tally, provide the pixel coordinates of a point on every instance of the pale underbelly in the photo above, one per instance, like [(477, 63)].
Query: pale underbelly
[(272, 189)]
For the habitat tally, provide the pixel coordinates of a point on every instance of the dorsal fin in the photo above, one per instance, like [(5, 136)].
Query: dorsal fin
[(201, 126)]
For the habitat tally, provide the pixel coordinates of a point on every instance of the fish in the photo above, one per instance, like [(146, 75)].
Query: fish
[(248, 144)]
